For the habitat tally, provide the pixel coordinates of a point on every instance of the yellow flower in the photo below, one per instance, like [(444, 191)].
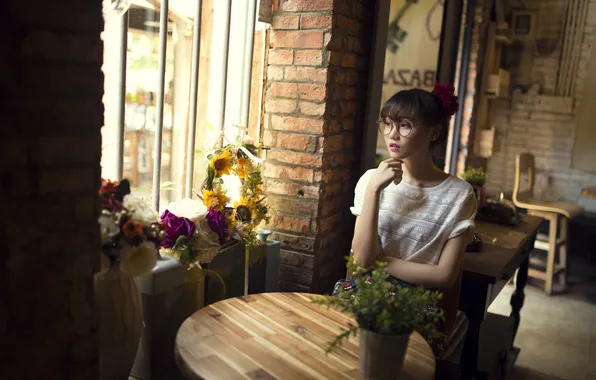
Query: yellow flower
[(243, 162), (240, 171), (216, 198), (245, 210), (222, 163)]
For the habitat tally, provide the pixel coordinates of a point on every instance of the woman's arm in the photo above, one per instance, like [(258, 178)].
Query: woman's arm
[(365, 243), (442, 275)]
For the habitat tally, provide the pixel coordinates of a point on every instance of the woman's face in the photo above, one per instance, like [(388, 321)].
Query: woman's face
[(405, 138)]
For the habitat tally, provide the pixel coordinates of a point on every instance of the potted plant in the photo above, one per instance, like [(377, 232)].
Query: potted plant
[(386, 316), (477, 178)]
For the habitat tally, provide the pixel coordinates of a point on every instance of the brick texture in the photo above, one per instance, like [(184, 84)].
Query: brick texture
[(313, 164), (51, 89), (549, 135), (473, 82)]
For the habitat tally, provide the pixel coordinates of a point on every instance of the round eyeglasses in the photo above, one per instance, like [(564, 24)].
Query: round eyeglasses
[(404, 126)]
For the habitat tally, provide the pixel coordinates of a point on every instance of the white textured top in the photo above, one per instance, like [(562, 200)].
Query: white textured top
[(416, 222)]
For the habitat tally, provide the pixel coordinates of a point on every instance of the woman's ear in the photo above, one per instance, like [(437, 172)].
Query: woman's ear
[(435, 132)]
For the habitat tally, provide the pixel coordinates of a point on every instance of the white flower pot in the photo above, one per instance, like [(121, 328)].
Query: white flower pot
[(381, 356), (120, 321)]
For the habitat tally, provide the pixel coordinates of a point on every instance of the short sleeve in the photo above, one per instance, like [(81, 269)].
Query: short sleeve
[(465, 217), (356, 209)]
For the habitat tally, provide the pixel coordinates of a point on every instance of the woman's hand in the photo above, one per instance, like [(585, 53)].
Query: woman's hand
[(387, 172)]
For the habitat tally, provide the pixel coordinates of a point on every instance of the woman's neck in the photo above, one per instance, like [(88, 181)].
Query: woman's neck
[(421, 171)]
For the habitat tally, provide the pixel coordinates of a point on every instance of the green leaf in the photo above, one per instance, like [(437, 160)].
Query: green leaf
[(379, 306)]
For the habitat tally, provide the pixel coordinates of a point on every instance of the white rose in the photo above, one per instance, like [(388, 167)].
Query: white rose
[(138, 260), (188, 208), (205, 241), (140, 209)]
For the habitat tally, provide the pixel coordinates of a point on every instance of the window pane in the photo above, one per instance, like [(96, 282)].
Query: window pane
[(142, 81), (412, 49)]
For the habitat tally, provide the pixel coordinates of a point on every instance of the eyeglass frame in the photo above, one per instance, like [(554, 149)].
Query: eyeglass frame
[(394, 125)]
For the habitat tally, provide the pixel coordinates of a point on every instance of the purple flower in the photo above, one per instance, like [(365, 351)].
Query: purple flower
[(217, 223), (177, 227)]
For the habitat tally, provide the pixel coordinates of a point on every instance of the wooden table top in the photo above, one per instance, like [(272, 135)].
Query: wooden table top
[(503, 247), (278, 336)]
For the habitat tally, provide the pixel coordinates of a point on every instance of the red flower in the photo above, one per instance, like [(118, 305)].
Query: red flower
[(110, 204), (446, 95), (108, 186)]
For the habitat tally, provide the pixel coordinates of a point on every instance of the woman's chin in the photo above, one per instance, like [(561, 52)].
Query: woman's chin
[(397, 154)]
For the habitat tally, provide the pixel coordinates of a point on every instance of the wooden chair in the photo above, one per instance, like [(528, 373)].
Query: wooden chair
[(557, 213)]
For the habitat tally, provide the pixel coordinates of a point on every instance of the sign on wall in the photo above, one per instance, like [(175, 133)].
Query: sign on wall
[(412, 46)]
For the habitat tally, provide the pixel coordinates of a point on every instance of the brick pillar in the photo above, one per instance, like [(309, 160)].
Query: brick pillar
[(51, 88), (465, 155), (314, 112)]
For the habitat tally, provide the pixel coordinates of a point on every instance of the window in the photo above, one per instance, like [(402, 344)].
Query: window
[(140, 130), (413, 40)]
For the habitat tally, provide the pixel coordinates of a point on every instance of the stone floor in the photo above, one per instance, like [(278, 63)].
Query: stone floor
[(557, 334)]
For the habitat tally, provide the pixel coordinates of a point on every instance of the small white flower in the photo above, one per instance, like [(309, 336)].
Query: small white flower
[(140, 209), (188, 208), (107, 227), (138, 260)]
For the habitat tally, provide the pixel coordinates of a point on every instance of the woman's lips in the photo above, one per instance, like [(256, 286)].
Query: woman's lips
[(394, 147)]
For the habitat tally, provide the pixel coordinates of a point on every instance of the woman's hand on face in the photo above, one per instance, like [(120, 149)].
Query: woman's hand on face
[(387, 172)]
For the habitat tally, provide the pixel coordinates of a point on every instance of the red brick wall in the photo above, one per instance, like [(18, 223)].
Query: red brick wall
[(51, 89), (548, 134), (317, 81), (476, 60)]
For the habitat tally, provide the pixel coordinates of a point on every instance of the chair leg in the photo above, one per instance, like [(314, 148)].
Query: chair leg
[(550, 259), (562, 280)]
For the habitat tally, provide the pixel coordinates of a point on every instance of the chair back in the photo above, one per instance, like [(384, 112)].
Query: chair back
[(524, 167)]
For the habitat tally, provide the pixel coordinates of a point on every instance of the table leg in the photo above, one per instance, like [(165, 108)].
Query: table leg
[(473, 303), (517, 302)]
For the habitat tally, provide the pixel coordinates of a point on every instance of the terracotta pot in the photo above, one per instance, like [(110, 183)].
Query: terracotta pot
[(120, 321), (382, 356)]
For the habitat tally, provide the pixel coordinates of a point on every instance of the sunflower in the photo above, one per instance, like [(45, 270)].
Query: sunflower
[(245, 209), (222, 163), (216, 198)]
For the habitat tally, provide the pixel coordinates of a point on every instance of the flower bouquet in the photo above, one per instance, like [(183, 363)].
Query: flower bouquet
[(130, 229), (194, 236), (195, 233), (131, 234)]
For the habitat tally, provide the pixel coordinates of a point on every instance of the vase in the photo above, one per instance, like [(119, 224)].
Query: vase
[(381, 356), (119, 308), (194, 287)]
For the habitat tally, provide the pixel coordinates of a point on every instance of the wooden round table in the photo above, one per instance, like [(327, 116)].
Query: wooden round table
[(278, 336)]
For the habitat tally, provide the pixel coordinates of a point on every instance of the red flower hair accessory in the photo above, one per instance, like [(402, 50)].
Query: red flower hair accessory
[(446, 95)]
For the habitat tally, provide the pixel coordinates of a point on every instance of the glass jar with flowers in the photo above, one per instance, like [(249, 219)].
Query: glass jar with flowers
[(131, 234), (194, 236)]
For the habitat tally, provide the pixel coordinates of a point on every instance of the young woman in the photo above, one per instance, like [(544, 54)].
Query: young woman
[(409, 212)]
